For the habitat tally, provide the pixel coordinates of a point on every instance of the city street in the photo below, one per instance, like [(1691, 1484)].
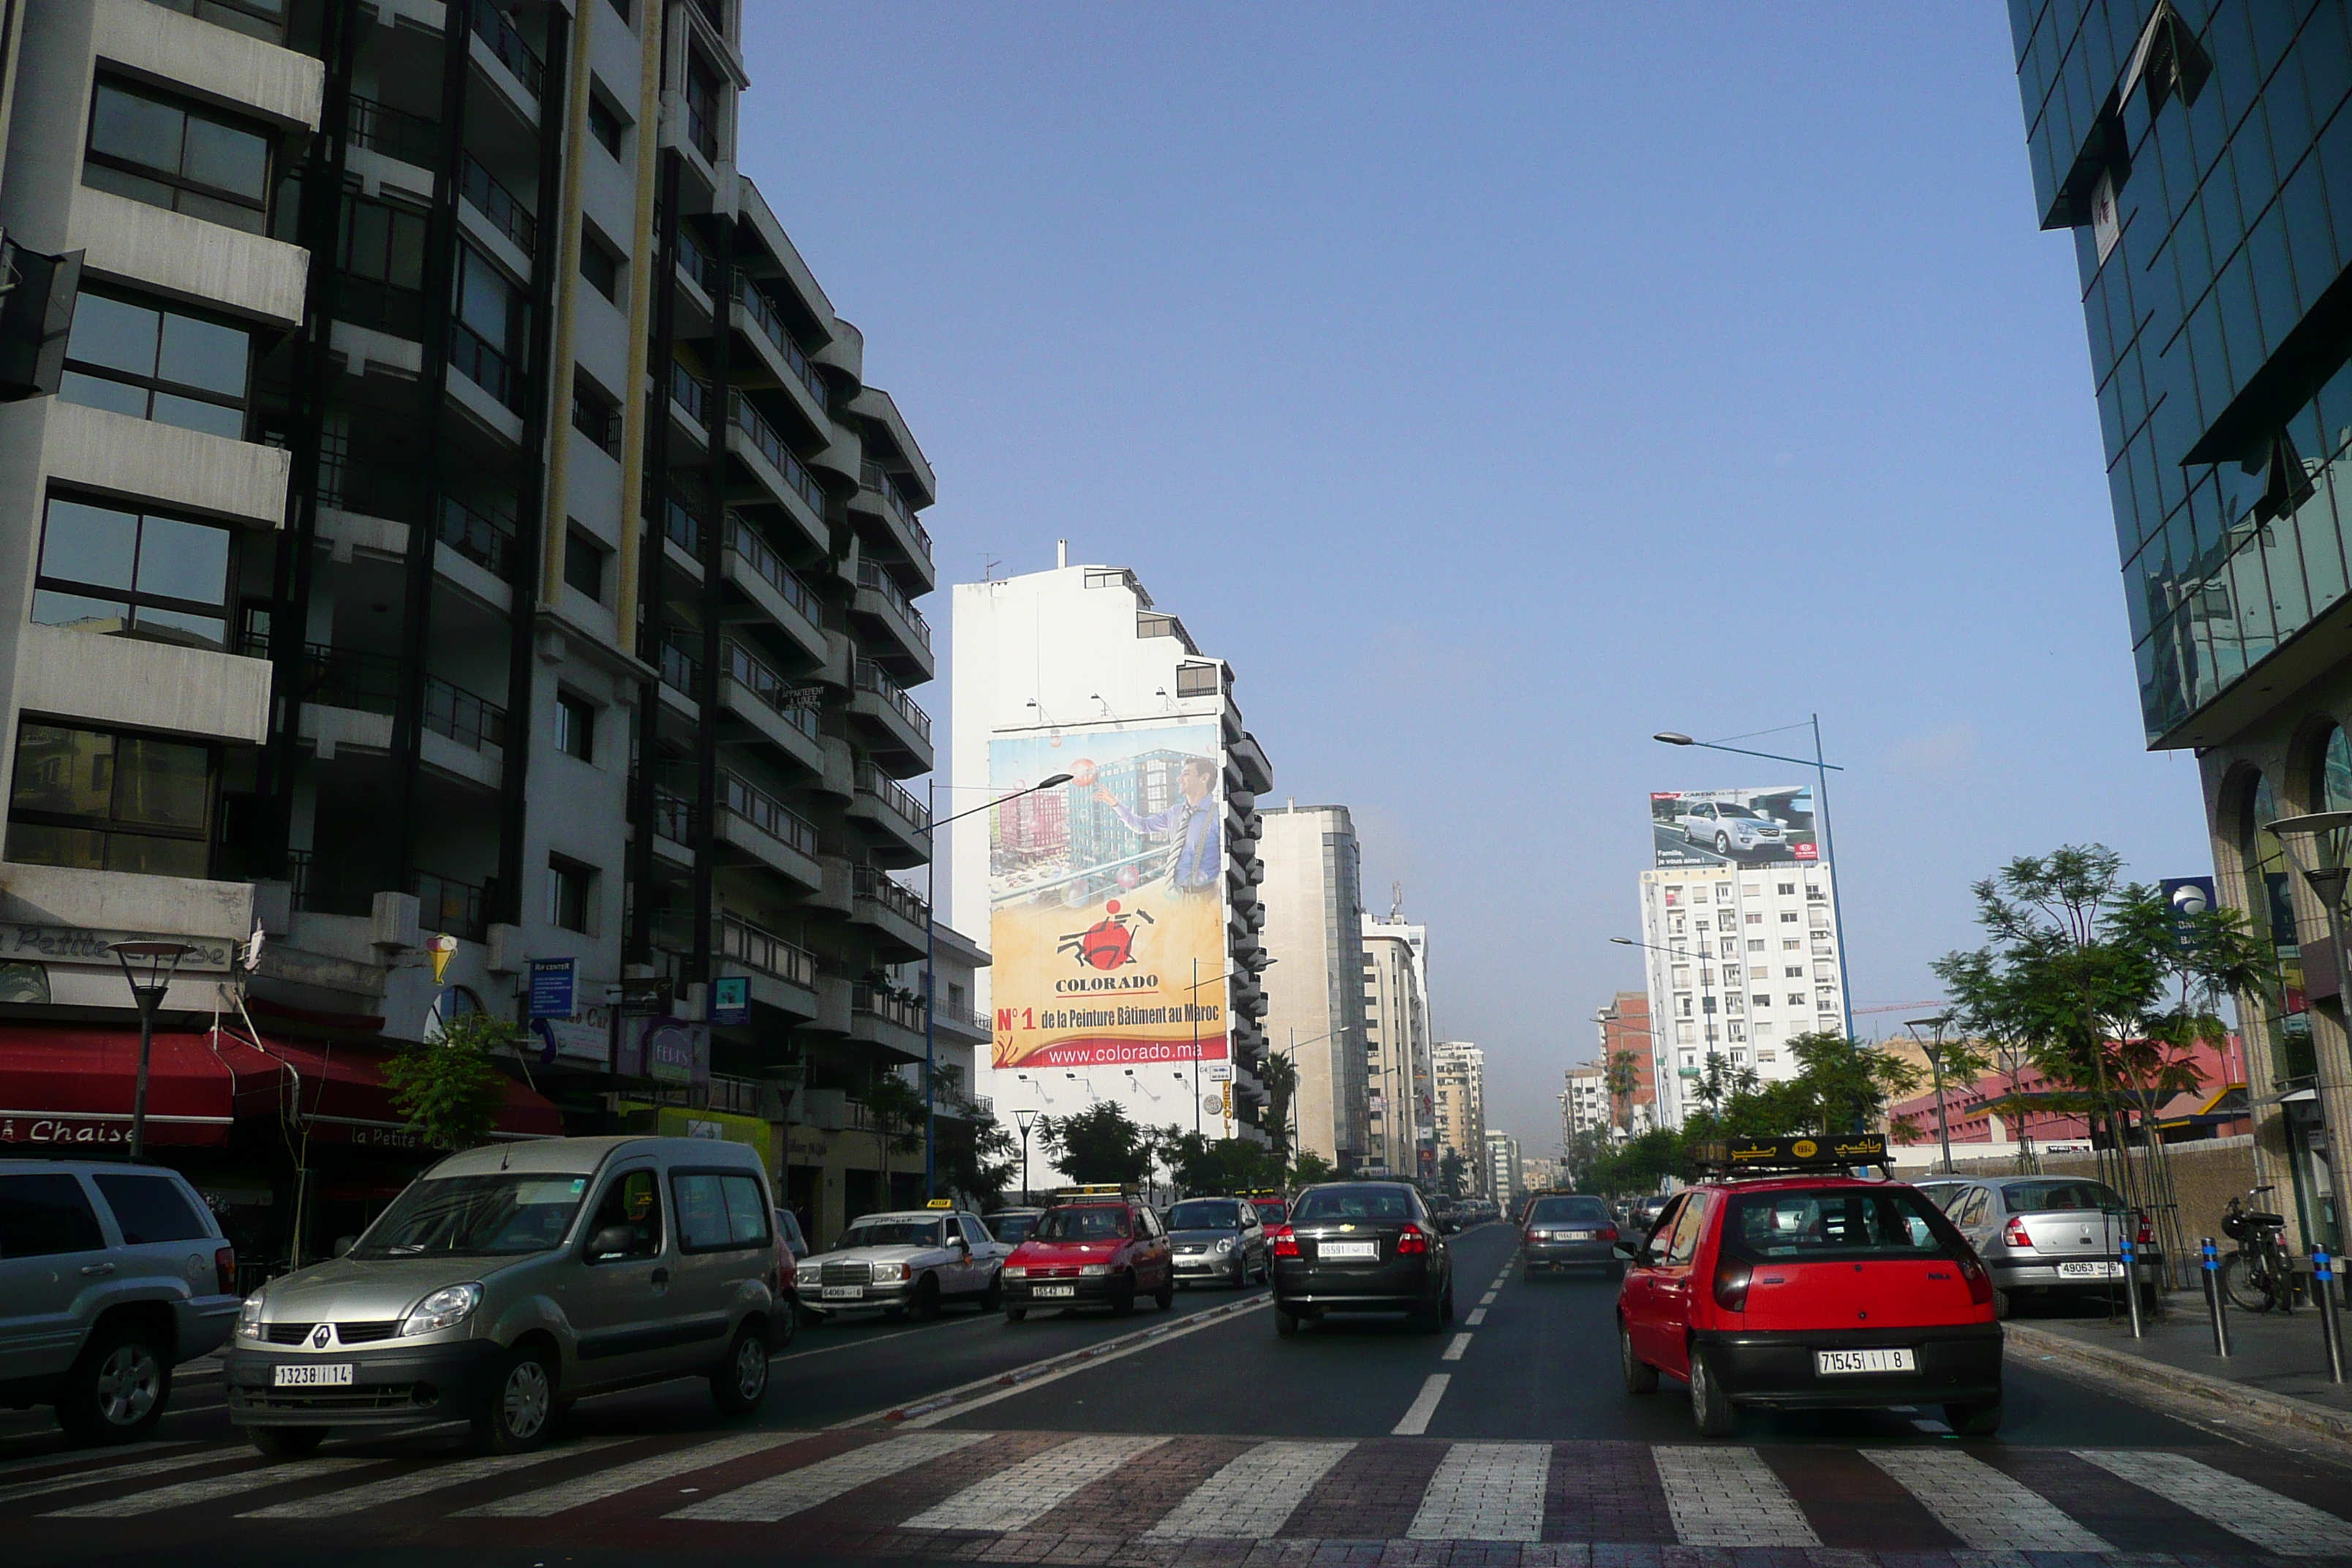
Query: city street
[(1189, 1437)]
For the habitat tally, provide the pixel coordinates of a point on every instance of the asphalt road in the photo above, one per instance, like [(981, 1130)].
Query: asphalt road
[(1188, 1437)]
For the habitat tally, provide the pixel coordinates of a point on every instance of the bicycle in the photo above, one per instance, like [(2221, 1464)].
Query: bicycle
[(2260, 1274)]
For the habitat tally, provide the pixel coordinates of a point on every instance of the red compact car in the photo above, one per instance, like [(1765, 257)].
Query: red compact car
[(1810, 1290), (1093, 1248)]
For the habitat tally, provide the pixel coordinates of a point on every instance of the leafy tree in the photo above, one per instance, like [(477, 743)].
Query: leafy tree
[(1310, 1168), (1201, 1165), (896, 1110), (977, 1155), (447, 1088), (1450, 1169), (1621, 1075), (1101, 1145), (1279, 1074), (1638, 1164)]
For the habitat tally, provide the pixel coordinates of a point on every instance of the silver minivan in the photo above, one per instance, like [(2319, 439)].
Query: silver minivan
[(507, 1281)]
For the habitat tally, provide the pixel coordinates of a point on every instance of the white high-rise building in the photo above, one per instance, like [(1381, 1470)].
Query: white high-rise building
[(1505, 1183), (1314, 931), (1399, 1042), (1583, 1102), (1461, 1073), (1741, 960), (1074, 671)]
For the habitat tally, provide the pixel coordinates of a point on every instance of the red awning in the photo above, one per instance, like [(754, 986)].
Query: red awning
[(74, 1087), (337, 1092)]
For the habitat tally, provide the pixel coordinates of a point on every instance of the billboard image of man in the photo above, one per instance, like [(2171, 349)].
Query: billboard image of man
[(1193, 821)]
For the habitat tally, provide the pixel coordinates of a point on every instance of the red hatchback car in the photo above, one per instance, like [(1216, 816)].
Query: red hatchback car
[(1808, 1288), (1096, 1247)]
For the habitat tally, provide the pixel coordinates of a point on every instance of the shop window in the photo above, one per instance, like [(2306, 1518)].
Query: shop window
[(99, 801), (169, 155), (127, 574), (155, 363)]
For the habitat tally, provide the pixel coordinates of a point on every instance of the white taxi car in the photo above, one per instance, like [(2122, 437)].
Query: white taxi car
[(914, 1260)]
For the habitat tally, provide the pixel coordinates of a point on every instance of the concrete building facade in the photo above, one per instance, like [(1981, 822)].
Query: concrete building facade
[(1505, 1183), (1399, 1041), (1625, 1032), (1584, 1104), (1314, 932), (1460, 1069)]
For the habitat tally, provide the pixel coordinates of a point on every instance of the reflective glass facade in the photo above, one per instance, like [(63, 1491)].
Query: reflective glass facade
[(2202, 152)]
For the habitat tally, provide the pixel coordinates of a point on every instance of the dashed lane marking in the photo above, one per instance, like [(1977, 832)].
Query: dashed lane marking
[(2256, 1514), (1424, 1405), (1728, 1496), (1477, 1316), (212, 1488), (1453, 1352), (1012, 1498), (781, 1496), (1981, 1505), (1484, 1491), (416, 1483), (950, 1405), (578, 1493), (1254, 1494)]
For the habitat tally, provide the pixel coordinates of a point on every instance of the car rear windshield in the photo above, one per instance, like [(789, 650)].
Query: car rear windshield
[(1273, 1212), (1567, 1211), (891, 1233), (506, 1214), (1206, 1214), (1836, 1224), (1012, 1227), (2053, 1198), (1352, 1202), (1091, 1222)]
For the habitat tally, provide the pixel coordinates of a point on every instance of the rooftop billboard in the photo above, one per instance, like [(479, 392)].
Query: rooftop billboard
[(1770, 826)]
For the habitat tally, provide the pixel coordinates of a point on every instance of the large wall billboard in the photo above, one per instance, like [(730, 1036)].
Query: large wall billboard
[(1106, 897), (1734, 827)]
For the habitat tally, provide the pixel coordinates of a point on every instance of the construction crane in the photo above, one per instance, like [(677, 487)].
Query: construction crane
[(1900, 1006)]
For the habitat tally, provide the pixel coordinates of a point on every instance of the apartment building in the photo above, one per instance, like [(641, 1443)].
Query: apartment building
[(1314, 931), (1110, 854), (1400, 1068), (1584, 1103), (463, 516), (1460, 1071), (1626, 1036), (1741, 960), (1505, 1181)]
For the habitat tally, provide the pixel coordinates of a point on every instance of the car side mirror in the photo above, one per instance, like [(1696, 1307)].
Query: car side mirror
[(344, 1244), (612, 1241), (1628, 1251)]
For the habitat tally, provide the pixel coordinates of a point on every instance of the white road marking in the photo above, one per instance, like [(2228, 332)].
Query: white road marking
[(1453, 1352), (1984, 1507), (432, 1478), (1488, 1298), (107, 1474), (781, 1496), (1253, 1495), (1486, 1491), (2256, 1514), (989, 1318), (1033, 1488), (1423, 1406), (964, 1406), (1477, 1316), (620, 1478), (1728, 1496), (210, 1490)]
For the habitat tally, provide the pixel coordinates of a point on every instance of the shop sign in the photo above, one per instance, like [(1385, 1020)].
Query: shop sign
[(671, 1050), (552, 987), (730, 999), (79, 944), (584, 1038), (679, 1121)]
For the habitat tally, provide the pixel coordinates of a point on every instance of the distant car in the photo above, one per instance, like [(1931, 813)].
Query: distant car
[(1011, 1227), (787, 1231), (1361, 1247), (1730, 829), (2054, 1238), (1273, 1208), (1217, 1241), (111, 1275), (915, 1260), (1564, 1231), (1642, 1214), (1096, 1249), (1941, 1189)]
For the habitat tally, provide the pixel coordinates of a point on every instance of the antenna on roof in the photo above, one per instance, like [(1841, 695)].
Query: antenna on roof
[(1396, 903)]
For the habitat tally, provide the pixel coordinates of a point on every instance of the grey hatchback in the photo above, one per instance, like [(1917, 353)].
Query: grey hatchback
[(2053, 1236)]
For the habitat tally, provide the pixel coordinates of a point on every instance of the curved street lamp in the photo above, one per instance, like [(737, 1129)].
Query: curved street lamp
[(148, 966)]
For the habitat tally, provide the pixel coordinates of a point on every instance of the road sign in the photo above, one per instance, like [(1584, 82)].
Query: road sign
[(555, 987), (730, 999)]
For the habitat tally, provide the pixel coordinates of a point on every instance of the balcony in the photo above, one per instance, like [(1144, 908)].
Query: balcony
[(681, 672), (873, 483), (887, 1018), (509, 48), (472, 722), (487, 541), (472, 355), (895, 811), (692, 394), (880, 597), (446, 904), (395, 132), (801, 484), (740, 941), (799, 611), (767, 829), (698, 264), (504, 210), (896, 912), (885, 702), (782, 713), (763, 315)]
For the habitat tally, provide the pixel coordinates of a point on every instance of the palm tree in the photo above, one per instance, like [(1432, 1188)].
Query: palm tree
[(1279, 1074)]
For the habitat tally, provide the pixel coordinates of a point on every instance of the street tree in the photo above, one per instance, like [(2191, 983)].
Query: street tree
[(1310, 1168), (1101, 1144), (1203, 1165), (447, 1088), (1621, 1075), (896, 1111), (1451, 1170), (1279, 1074)]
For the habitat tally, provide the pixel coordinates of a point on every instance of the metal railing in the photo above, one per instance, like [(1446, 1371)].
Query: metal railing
[(872, 677), (681, 672), (766, 813), (692, 392), (470, 721), (761, 558), (754, 674), (700, 131), (489, 369), (870, 575), (1199, 680), (764, 950), (508, 46), (673, 817), (395, 132), (868, 883), (894, 796), (379, 306), (684, 526), (907, 1012), (500, 205), (762, 311), (870, 476), (754, 423), (446, 904), (487, 541), (696, 262), (347, 677), (373, 490)]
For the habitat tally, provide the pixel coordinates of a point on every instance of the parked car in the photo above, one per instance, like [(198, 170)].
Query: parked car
[(1217, 1240), (507, 1281), (2054, 1238), (788, 1229), (1449, 1214), (1641, 1216), (1098, 1247), (1361, 1247), (111, 1275), (1941, 1189), (1809, 1291), (914, 1260), (1011, 1227), (1564, 1231), (1730, 828)]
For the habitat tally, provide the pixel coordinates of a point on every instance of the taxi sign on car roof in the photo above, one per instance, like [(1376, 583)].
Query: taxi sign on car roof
[(1775, 1156), (1096, 1192), (940, 1204)]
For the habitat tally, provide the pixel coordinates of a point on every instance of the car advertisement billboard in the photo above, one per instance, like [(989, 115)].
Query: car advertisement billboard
[(1106, 895), (1733, 826)]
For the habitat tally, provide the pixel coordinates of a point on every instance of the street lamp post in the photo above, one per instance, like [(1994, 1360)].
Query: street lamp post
[(1706, 987), (160, 961), (1292, 1109), (1822, 771), (1935, 1050), (932, 826), (2320, 845), (1025, 1118)]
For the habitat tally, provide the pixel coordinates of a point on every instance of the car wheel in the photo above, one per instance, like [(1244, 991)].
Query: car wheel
[(1014, 1314), (1429, 1320), (1641, 1377), (1285, 1323), (1445, 1312), (740, 1382), (1122, 1297), (993, 1296), (1165, 1297), (117, 1390), (286, 1442), (521, 1401), (2004, 1305), (1711, 1412), (1980, 1420), (926, 1297), (1241, 1273), (1722, 843)]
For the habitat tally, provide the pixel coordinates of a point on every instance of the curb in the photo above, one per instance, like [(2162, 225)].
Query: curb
[(2257, 1404)]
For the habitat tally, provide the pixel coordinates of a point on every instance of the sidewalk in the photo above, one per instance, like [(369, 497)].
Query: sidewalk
[(2277, 1369)]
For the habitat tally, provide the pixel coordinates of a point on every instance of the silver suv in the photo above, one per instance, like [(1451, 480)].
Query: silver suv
[(509, 1281), (111, 1275)]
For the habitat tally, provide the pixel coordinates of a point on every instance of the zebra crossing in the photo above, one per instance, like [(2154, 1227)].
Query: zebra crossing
[(984, 1494)]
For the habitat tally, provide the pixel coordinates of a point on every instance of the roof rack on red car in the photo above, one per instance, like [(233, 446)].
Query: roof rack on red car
[(1790, 1156), (1099, 1192)]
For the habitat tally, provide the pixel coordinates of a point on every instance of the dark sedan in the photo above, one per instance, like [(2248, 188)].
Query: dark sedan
[(1564, 1230), (1361, 1247)]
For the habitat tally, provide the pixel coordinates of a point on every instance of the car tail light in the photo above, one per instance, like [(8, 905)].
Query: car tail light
[(1528, 1238), (1411, 1240), (2147, 1236), (1979, 1281), (225, 1269), (1286, 1241), (2015, 1233), (1609, 1234), (1731, 1282)]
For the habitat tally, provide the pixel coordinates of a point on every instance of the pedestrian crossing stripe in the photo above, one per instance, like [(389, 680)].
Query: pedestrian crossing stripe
[(1715, 1495)]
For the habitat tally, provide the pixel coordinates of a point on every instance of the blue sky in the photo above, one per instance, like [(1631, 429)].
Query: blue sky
[(1494, 386)]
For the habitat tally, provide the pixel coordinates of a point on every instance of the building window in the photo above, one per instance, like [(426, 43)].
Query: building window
[(601, 265), (1796, 998), (1788, 916), (97, 801), (1756, 946), (606, 124), (571, 895), (152, 363), (1790, 944), (575, 727), (583, 564), (169, 154), (596, 415), (1788, 888), (125, 573), (264, 19), (1762, 999), (1792, 971), (1755, 917)]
